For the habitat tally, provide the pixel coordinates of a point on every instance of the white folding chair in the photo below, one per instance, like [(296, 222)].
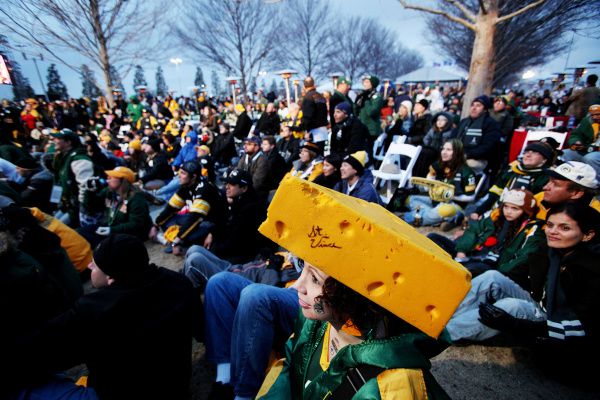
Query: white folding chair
[(391, 167), (378, 146), (534, 136)]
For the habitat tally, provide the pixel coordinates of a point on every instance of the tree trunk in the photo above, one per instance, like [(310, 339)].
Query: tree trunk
[(102, 51), (481, 71)]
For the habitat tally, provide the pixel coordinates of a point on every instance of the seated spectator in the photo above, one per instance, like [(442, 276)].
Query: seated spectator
[(356, 180), (548, 107), (171, 146), (503, 241), (480, 134), (37, 185), (276, 165), (207, 163), (78, 249), (187, 153), (421, 124), (440, 131), (571, 181), (130, 351), (223, 146), (243, 123), (566, 280), (501, 114), (288, 146), (310, 163), (333, 317), (331, 171), (268, 123), (155, 172), (527, 173), (237, 239), (451, 168), (134, 157), (122, 206), (348, 134), (404, 120), (584, 141), (244, 322), (193, 210), (255, 162)]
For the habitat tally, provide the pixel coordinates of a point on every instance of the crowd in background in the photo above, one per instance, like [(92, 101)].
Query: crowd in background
[(196, 174)]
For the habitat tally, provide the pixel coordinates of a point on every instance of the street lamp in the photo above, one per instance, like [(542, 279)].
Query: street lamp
[(286, 74), (296, 84), (177, 61), (232, 80)]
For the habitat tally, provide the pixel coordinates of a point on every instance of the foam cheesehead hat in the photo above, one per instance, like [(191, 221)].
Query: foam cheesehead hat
[(370, 250), (122, 173), (581, 173), (521, 198), (358, 161)]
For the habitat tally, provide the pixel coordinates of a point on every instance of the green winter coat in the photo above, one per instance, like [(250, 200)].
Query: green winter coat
[(130, 216), (584, 133), (370, 113), (403, 358), (527, 241)]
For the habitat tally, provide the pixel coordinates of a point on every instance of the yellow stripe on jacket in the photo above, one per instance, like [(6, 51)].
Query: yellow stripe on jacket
[(200, 206), (176, 201)]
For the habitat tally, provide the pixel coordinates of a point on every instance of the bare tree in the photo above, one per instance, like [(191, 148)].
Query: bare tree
[(107, 33), (363, 46), (524, 41), (483, 20), (238, 36), (308, 31)]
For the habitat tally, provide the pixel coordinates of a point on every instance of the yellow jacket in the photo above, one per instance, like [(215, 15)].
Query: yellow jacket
[(78, 249)]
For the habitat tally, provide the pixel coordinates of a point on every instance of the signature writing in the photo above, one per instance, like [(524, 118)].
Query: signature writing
[(318, 238)]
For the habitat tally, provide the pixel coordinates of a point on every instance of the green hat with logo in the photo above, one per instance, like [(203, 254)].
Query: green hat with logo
[(344, 79)]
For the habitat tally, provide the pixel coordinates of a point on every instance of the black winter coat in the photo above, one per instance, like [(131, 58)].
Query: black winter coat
[(349, 136)]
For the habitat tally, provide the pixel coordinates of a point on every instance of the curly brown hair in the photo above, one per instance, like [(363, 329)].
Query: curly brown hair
[(356, 310)]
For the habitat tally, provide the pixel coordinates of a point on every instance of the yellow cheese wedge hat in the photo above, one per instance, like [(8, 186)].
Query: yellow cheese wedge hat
[(370, 250)]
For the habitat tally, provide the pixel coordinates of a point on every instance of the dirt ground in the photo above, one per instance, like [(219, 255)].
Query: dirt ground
[(465, 372)]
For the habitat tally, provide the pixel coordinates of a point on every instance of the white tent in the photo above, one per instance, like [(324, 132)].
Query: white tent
[(432, 74)]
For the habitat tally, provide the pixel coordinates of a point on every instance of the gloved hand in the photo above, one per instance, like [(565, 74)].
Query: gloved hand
[(103, 231), (496, 318)]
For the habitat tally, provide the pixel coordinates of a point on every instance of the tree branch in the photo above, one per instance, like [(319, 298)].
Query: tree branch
[(472, 17), (438, 12), (520, 11)]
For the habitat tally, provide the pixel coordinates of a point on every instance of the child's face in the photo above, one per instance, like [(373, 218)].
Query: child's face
[(511, 212), (310, 287)]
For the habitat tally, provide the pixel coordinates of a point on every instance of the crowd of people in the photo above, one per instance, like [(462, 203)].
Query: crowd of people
[(84, 183)]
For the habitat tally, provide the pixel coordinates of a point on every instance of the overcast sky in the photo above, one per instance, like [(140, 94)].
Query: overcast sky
[(409, 25)]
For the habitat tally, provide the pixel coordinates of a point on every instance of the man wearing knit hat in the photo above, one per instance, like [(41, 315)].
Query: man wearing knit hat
[(348, 134), (356, 181), (527, 173), (480, 134), (155, 171), (584, 141), (134, 333), (368, 106)]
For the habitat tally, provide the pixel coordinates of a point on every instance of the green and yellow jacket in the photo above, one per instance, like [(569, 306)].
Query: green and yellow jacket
[(404, 361), (526, 242), (130, 215), (515, 177)]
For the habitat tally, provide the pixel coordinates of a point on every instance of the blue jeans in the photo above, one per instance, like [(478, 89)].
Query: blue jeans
[(167, 191), (429, 213), (59, 387), (242, 321), (197, 235), (200, 264), (507, 295)]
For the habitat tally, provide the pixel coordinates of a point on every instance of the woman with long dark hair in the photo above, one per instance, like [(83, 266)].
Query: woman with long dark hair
[(450, 168)]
